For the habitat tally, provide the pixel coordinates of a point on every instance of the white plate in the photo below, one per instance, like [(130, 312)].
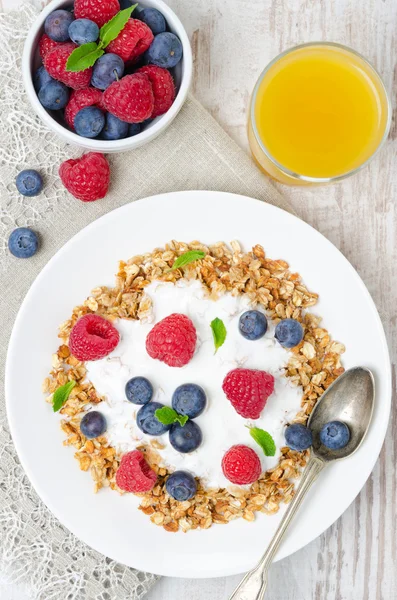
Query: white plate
[(110, 523)]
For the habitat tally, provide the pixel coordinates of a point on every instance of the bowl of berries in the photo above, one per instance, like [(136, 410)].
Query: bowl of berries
[(107, 76)]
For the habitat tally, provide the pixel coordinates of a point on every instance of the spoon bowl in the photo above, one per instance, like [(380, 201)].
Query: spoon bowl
[(349, 399)]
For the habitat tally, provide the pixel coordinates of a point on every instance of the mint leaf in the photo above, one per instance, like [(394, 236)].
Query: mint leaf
[(264, 439), (84, 57), (112, 28), (168, 416), (219, 333), (187, 258), (61, 395)]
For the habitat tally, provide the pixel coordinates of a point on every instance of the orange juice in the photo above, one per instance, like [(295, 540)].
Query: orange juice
[(319, 112)]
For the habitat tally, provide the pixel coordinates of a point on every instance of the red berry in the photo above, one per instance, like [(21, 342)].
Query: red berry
[(132, 41), (81, 99), (172, 340), (130, 99), (99, 11), (241, 465), (248, 391), (86, 178), (46, 44), (163, 88), (55, 63), (93, 338), (134, 474)]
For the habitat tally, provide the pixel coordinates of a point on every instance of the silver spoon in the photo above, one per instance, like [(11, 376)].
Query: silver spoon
[(349, 399)]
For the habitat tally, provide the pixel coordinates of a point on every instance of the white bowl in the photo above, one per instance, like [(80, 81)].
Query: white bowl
[(182, 75)]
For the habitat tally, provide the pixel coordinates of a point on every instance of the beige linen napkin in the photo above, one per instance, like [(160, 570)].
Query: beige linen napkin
[(195, 153)]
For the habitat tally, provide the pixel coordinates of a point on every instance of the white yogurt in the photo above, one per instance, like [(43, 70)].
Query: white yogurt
[(222, 427)]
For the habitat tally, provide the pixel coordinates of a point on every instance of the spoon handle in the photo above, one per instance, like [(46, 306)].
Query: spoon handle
[(253, 586)]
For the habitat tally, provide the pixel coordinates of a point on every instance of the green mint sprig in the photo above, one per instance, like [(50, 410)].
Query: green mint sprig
[(61, 395), (187, 258), (168, 416), (264, 439), (86, 55), (219, 333)]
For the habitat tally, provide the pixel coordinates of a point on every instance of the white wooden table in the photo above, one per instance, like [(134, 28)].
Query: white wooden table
[(232, 41)]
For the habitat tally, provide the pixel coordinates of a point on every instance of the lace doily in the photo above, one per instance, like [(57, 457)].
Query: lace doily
[(34, 547)]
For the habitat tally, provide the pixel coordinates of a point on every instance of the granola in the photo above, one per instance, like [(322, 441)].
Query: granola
[(314, 364)]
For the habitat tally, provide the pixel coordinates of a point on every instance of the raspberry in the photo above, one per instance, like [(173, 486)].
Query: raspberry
[(134, 474), (93, 338), (99, 11), (172, 340), (163, 88), (46, 44), (86, 178), (241, 465), (81, 99), (55, 63), (248, 391), (130, 99), (132, 41)]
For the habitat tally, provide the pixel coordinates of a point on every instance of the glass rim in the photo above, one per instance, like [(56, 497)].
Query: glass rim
[(284, 169)]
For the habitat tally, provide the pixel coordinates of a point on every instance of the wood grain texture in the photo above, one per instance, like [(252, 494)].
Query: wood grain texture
[(232, 41)]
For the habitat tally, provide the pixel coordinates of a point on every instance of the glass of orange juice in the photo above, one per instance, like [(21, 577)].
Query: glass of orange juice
[(319, 113)]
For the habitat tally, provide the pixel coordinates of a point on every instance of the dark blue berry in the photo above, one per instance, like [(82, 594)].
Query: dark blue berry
[(139, 390), (23, 242), (83, 31), (181, 485), (41, 77), (335, 435), (114, 129), (187, 438), (189, 399), (148, 422), (134, 129), (298, 437), (126, 4), (107, 69), (153, 19), (57, 24), (166, 50), (93, 424), (89, 122), (54, 95), (289, 333), (29, 182), (252, 324)]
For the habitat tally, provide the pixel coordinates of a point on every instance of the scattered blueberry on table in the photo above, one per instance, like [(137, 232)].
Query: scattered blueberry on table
[(181, 485), (93, 424), (253, 324), (289, 333), (23, 242), (29, 182), (139, 390), (298, 437), (335, 435)]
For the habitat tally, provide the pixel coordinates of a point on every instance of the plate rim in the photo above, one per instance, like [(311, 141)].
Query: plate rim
[(218, 572)]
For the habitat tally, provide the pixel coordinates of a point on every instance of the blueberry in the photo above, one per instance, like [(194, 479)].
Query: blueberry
[(166, 50), (147, 421), (335, 435), (54, 95), (289, 333), (114, 129), (23, 242), (298, 437), (126, 4), (93, 424), (83, 31), (89, 122), (107, 70), (153, 19), (189, 399), (134, 129), (181, 486), (29, 182), (57, 24), (187, 438), (252, 324), (41, 77), (139, 390)]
